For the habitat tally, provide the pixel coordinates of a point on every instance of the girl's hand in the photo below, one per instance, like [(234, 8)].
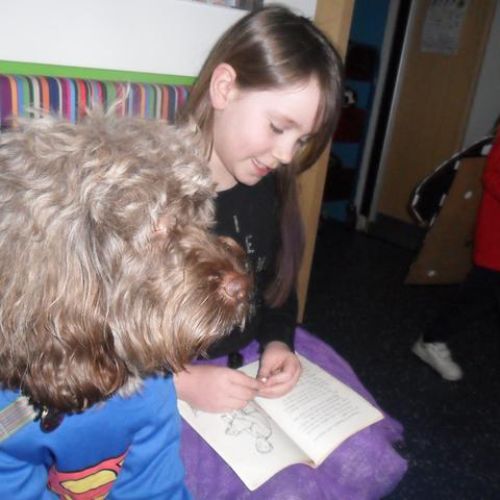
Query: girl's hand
[(279, 370), (215, 388)]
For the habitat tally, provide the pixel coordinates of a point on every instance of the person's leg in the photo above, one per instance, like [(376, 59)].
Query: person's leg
[(476, 297)]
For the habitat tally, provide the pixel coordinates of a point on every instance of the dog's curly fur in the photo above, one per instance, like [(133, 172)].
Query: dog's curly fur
[(108, 269)]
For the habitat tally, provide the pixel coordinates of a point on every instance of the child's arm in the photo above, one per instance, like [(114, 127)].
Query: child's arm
[(153, 468), (278, 323), (215, 388), (279, 366), (279, 370), (23, 471), (23, 480)]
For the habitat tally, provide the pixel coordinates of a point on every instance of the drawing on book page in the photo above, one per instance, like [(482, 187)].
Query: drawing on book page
[(253, 422)]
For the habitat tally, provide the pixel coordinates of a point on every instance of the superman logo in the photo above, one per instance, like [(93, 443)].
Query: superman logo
[(93, 483)]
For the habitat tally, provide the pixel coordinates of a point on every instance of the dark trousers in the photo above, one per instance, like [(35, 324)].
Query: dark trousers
[(477, 297)]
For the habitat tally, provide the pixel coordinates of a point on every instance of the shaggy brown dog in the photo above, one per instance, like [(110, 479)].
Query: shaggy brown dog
[(108, 270)]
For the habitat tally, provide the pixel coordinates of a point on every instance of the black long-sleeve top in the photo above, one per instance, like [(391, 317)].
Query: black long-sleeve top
[(249, 215)]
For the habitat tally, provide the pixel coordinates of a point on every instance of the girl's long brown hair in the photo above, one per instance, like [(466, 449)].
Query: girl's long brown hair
[(273, 48)]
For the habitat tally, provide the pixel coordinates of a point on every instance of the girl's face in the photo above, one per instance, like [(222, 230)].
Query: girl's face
[(257, 131)]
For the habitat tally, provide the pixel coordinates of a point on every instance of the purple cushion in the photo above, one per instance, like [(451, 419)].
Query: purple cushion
[(365, 466)]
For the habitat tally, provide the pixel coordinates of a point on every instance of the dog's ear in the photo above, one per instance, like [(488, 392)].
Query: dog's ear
[(55, 343), (72, 373)]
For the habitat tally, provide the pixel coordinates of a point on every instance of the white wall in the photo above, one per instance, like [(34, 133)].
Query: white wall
[(486, 105), (303, 7), (152, 36)]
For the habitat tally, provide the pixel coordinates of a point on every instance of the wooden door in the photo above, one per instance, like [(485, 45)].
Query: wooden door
[(430, 114)]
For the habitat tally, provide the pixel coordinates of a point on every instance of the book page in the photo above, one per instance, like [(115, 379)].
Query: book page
[(320, 412), (248, 440)]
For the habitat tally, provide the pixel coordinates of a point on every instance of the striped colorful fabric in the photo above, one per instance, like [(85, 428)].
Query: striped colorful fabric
[(14, 416), (71, 97)]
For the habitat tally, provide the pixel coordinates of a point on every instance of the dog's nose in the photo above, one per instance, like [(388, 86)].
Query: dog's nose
[(236, 286)]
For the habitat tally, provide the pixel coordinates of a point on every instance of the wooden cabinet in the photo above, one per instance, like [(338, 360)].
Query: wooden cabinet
[(334, 18)]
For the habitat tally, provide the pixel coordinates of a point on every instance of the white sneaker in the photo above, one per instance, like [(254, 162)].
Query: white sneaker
[(437, 355)]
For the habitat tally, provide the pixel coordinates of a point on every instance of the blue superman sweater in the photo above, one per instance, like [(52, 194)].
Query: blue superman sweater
[(125, 448)]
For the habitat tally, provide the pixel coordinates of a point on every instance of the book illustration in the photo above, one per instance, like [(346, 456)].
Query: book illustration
[(302, 427), (252, 421)]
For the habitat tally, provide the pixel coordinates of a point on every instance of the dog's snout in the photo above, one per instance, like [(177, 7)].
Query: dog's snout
[(236, 286)]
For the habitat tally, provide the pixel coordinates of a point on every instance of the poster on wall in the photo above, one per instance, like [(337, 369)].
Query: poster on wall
[(443, 25), (237, 4)]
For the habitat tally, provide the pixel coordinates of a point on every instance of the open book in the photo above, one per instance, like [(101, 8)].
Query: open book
[(304, 426)]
